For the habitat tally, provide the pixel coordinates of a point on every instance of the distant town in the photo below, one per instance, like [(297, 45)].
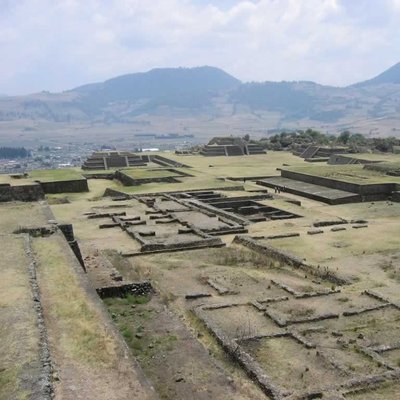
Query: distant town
[(73, 154)]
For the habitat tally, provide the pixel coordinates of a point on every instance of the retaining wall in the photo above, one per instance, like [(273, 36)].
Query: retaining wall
[(127, 180), (270, 251), (136, 288), (21, 193), (68, 231), (73, 186), (166, 161), (396, 197)]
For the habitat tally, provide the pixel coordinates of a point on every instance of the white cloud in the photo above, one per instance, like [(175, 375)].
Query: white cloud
[(59, 45)]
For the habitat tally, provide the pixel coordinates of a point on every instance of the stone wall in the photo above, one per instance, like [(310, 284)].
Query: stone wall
[(21, 193), (109, 176), (167, 162), (68, 231), (136, 288), (155, 247), (127, 180), (289, 259), (396, 197), (270, 251), (73, 186)]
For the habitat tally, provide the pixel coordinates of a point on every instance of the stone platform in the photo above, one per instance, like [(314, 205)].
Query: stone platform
[(310, 190)]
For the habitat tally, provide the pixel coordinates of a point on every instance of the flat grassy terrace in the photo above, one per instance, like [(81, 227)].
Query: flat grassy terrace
[(187, 183), (387, 157), (347, 173), (53, 175), (238, 166), (43, 175)]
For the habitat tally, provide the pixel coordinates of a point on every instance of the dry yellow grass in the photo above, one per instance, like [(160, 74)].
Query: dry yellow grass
[(81, 334), (18, 331), (14, 215)]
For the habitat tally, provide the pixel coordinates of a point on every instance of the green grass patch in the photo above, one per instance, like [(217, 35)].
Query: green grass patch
[(9, 384), (53, 175), (127, 300)]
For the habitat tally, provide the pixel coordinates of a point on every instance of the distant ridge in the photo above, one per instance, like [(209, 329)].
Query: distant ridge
[(210, 93), (391, 75), (161, 82)]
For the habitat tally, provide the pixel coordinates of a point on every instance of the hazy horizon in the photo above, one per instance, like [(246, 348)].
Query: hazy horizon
[(57, 46)]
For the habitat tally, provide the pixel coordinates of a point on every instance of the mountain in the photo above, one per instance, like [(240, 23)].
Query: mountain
[(188, 88), (210, 94), (161, 82), (390, 76)]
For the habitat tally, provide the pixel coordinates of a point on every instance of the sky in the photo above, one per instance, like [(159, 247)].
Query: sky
[(56, 45)]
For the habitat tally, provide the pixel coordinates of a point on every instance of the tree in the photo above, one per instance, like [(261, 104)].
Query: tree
[(344, 137)]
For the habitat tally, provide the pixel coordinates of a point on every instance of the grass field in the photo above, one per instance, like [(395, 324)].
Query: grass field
[(50, 175), (387, 157), (240, 166), (15, 215), (347, 173)]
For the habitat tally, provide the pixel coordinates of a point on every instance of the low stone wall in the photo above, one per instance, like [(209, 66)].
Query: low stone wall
[(136, 288), (329, 223), (211, 242), (21, 193), (45, 388), (74, 186), (114, 193), (288, 258), (270, 251), (109, 176), (214, 210), (37, 231), (396, 197), (167, 162)]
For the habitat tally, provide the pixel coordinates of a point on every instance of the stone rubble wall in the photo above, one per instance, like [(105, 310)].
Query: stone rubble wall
[(135, 288), (288, 258), (32, 192)]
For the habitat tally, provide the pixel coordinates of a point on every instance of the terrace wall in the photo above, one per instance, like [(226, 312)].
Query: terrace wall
[(136, 288), (166, 162), (21, 193), (72, 186), (127, 180)]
